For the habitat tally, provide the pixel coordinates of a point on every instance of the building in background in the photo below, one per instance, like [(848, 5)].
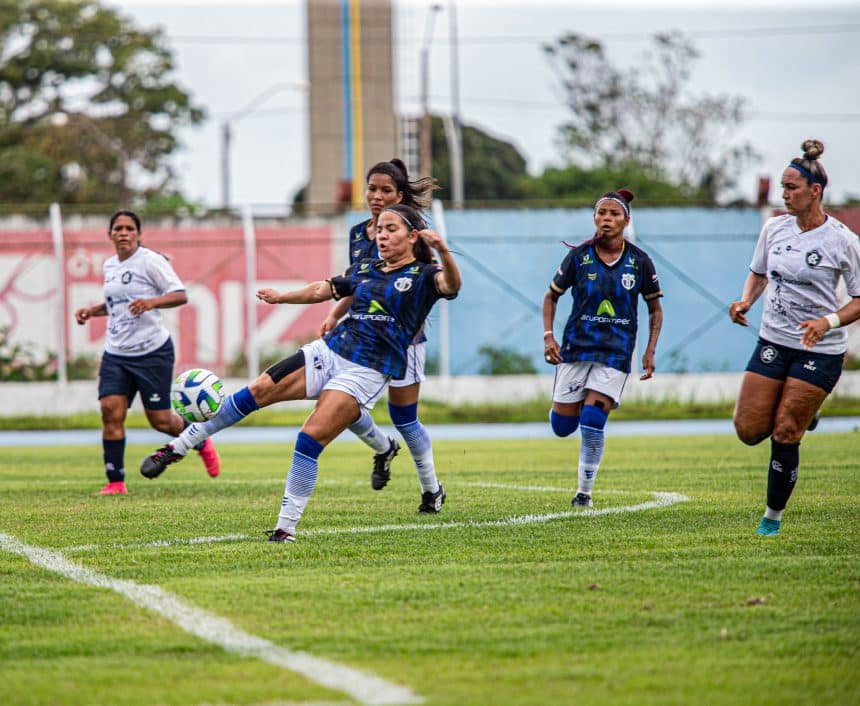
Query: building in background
[(352, 120)]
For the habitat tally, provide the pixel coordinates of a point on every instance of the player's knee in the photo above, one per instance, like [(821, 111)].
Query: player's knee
[(750, 436), (563, 424), (594, 416), (401, 415), (787, 431)]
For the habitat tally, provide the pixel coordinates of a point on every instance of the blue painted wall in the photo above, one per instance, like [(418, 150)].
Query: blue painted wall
[(508, 258)]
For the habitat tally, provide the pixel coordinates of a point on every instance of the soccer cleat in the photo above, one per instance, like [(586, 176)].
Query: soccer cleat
[(116, 487), (382, 465), (768, 528), (581, 500), (814, 423), (280, 535), (209, 455), (154, 464), (432, 502)]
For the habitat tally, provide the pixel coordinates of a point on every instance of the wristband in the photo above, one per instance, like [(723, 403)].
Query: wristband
[(547, 333), (833, 320)]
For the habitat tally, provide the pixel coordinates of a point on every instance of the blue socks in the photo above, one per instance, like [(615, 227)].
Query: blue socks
[(113, 452), (592, 422), (415, 435), (300, 481), (562, 424), (236, 407)]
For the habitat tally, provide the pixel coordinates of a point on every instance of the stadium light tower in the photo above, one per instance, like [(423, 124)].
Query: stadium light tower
[(227, 133)]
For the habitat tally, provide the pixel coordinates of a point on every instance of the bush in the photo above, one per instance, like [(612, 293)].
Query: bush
[(504, 361)]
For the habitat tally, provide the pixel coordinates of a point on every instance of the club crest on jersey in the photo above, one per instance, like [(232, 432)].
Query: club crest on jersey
[(813, 258), (628, 280), (403, 284), (126, 277), (768, 354)]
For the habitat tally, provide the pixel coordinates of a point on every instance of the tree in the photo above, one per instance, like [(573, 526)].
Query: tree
[(645, 116), (85, 99)]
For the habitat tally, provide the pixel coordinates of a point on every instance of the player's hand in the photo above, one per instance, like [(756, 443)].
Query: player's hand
[(551, 350), (737, 311), (814, 331), (83, 315), (434, 240), (139, 306), (647, 366), (268, 295), (327, 325)]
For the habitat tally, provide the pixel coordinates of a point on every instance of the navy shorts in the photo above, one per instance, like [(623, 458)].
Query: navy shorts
[(150, 374), (781, 362)]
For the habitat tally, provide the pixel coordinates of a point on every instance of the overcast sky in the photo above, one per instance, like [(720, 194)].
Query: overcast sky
[(796, 66)]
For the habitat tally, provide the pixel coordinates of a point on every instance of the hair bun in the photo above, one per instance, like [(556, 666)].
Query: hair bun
[(812, 149), (626, 194)]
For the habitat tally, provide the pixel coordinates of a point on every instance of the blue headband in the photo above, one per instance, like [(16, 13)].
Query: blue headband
[(808, 174)]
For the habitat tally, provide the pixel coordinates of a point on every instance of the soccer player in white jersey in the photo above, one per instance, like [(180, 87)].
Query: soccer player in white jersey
[(138, 353), (797, 263)]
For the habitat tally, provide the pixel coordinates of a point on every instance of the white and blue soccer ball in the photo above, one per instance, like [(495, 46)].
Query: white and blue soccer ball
[(197, 395)]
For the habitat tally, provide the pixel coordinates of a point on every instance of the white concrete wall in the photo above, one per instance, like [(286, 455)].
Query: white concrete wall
[(46, 398)]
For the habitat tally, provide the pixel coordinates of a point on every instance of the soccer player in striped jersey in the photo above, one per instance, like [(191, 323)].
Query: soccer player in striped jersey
[(138, 353), (606, 276), (797, 264), (347, 371), (388, 183)]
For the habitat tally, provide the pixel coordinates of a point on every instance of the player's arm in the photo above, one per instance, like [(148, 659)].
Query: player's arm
[(551, 349), (448, 279), (85, 313), (165, 301), (753, 287), (338, 311), (814, 329), (312, 293), (655, 323)]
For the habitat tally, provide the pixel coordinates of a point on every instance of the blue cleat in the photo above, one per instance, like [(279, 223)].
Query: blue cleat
[(768, 528)]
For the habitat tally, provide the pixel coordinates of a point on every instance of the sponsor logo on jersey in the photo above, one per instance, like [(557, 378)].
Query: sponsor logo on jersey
[(592, 276), (375, 306), (810, 366), (126, 277), (586, 260), (813, 258), (403, 284), (415, 269), (356, 253), (605, 307), (364, 267), (628, 280), (767, 355), (631, 262)]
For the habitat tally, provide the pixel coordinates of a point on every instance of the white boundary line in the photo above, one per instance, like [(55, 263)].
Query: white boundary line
[(363, 687), (660, 500)]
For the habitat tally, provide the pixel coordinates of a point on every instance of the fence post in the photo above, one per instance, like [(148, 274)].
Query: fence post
[(444, 319), (252, 355), (59, 255)]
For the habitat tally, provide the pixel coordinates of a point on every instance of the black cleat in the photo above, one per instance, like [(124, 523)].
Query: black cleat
[(581, 500), (814, 422), (382, 466), (431, 503), (154, 464), (280, 535)]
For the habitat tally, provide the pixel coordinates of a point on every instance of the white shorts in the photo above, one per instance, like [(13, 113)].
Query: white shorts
[(573, 379), (416, 357), (326, 370)]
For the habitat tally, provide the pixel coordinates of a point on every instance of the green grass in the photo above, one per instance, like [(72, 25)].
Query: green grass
[(677, 605), (433, 412)]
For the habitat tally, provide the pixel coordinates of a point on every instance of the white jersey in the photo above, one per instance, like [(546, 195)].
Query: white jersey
[(803, 269), (144, 275)]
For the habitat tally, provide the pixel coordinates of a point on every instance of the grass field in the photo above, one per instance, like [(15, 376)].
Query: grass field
[(668, 599)]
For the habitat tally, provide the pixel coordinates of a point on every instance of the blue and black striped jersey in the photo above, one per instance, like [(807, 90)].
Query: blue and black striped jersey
[(360, 246), (387, 310), (603, 318)]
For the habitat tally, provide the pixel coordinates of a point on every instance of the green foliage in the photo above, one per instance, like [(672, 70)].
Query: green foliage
[(85, 97), (504, 361), (669, 606), (645, 115)]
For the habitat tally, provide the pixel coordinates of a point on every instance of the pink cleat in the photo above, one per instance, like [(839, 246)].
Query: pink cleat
[(116, 487), (209, 454)]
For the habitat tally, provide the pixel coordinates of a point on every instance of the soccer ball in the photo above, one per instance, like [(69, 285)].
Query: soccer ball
[(197, 395)]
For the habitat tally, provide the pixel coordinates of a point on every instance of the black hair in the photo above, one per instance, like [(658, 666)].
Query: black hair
[(416, 194), (414, 221), (124, 212)]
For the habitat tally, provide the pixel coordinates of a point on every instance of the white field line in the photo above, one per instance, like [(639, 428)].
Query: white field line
[(363, 687), (538, 488), (660, 500)]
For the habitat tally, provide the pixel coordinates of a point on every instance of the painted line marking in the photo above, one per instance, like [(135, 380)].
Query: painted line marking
[(660, 500), (363, 687)]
